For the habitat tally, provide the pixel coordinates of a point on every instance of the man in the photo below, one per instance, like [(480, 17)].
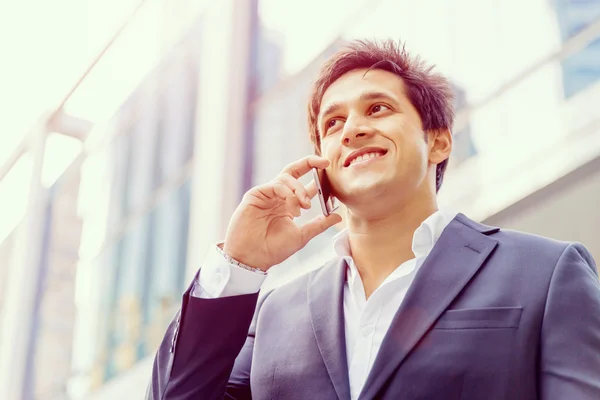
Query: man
[(417, 305)]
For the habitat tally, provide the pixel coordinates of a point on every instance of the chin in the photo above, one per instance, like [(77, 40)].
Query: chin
[(368, 186)]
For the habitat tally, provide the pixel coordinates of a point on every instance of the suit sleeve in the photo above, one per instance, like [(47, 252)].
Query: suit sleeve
[(570, 338), (202, 345)]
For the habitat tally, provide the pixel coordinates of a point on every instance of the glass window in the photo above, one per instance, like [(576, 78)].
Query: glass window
[(113, 337), (463, 146), (176, 98), (267, 60), (513, 136), (280, 133), (126, 329), (286, 23), (119, 159), (581, 69), (94, 297), (179, 86), (145, 281), (479, 44), (143, 132), (575, 15), (158, 173), (167, 262), (191, 72)]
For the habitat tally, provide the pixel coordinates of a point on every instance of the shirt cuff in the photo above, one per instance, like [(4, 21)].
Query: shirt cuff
[(219, 278)]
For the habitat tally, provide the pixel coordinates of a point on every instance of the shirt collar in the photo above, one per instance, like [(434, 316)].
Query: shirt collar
[(424, 238)]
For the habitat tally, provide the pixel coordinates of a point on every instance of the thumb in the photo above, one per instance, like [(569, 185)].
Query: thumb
[(317, 226)]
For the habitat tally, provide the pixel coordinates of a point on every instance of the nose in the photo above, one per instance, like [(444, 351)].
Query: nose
[(355, 128)]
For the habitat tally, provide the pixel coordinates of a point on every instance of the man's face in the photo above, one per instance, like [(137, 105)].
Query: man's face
[(369, 115)]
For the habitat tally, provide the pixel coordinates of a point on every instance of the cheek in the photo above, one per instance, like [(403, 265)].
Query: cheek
[(412, 149), (329, 151)]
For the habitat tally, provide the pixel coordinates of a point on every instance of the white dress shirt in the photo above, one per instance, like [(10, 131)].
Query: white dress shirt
[(366, 320)]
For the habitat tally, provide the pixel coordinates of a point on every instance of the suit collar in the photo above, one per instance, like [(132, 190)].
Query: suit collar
[(477, 226), (326, 306), (460, 252)]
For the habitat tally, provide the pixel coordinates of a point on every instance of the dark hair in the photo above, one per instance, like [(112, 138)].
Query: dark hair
[(429, 92)]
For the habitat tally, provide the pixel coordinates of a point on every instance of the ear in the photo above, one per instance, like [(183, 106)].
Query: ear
[(440, 145)]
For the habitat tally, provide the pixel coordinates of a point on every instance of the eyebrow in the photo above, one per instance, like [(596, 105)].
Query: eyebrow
[(365, 96)]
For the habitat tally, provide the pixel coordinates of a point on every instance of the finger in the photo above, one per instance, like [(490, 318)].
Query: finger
[(282, 191), (318, 225), (292, 204), (301, 167), (311, 189), (297, 187)]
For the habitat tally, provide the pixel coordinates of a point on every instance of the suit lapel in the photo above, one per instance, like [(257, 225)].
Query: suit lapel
[(458, 254), (326, 304)]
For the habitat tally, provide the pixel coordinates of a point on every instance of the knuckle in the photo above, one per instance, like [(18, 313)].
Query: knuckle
[(274, 184), (281, 178), (279, 184)]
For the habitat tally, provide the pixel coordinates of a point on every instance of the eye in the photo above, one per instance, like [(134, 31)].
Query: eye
[(378, 108), (331, 124)]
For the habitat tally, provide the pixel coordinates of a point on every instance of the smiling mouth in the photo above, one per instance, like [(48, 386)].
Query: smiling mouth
[(364, 158)]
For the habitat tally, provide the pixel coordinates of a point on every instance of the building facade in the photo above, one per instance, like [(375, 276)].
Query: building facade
[(135, 204)]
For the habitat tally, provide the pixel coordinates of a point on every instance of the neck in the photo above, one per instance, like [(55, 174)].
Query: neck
[(379, 244)]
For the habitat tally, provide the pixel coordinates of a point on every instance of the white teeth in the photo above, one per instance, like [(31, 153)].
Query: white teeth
[(364, 157)]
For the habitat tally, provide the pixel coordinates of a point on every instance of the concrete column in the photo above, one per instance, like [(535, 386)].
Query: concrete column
[(219, 156), (16, 321)]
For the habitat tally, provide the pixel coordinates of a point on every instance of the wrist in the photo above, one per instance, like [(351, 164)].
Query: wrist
[(237, 262)]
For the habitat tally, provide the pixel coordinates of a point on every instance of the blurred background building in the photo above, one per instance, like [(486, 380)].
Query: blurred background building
[(122, 160)]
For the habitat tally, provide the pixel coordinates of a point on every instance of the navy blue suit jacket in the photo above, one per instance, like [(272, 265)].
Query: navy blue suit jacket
[(491, 314)]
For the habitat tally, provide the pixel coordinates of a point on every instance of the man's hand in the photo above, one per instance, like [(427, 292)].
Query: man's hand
[(262, 232)]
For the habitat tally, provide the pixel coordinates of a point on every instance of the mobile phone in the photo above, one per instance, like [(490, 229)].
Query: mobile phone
[(328, 202)]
